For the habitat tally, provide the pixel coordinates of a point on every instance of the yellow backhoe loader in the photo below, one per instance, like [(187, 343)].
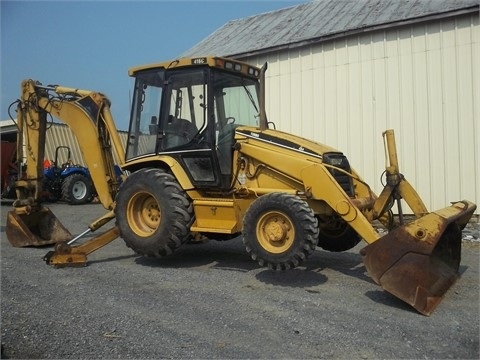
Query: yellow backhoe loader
[(203, 161)]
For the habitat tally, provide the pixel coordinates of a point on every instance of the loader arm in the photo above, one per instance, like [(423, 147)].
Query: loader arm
[(87, 113), (397, 187)]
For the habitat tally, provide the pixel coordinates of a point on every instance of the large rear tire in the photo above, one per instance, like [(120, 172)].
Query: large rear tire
[(280, 231), (77, 189), (153, 213)]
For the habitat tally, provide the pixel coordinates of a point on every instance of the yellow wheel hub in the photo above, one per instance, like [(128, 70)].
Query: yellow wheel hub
[(143, 214), (275, 232)]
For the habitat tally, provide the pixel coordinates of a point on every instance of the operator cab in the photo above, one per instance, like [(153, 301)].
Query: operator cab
[(189, 109)]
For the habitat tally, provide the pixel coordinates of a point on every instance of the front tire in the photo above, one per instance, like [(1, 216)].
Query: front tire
[(153, 213), (77, 189), (280, 231)]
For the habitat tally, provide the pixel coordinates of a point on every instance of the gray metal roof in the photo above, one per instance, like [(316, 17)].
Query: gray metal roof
[(321, 20)]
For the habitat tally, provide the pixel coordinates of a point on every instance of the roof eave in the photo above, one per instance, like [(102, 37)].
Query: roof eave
[(343, 34)]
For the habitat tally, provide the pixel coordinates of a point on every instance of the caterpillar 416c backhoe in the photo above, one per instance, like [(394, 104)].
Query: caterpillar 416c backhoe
[(202, 161)]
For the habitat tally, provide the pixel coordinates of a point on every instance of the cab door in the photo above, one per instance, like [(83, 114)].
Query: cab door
[(187, 126)]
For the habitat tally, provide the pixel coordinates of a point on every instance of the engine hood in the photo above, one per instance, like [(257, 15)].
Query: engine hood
[(286, 141)]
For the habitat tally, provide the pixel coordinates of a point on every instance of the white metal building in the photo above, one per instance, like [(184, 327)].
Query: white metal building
[(342, 71)]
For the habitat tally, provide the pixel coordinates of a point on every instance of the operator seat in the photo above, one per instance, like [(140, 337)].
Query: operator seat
[(179, 132)]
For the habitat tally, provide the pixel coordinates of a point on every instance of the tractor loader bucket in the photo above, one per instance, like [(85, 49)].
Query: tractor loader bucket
[(419, 262), (35, 229)]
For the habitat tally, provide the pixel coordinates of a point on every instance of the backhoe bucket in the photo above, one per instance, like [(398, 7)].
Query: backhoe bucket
[(419, 262), (35, 229)]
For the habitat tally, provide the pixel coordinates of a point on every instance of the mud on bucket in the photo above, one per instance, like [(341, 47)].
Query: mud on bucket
[(419, 262)]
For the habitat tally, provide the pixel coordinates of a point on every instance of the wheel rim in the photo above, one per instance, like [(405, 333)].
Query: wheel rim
[(143, 214), (79, 190), (275, 232)]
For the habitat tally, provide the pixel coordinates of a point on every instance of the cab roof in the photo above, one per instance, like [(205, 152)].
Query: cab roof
[(212, 61)]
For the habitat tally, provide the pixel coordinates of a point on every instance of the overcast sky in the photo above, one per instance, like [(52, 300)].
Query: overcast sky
[(91, 44)]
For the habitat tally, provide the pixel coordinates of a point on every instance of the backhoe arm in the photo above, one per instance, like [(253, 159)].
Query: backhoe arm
[(88, 115)]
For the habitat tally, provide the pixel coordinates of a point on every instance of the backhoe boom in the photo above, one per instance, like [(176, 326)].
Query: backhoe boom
[(88, 115)]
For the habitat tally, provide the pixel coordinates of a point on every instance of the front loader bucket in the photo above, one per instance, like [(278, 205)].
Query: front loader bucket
[(35, 229), (419, 262)]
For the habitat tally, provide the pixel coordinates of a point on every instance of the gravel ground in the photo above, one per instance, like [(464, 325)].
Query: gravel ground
[(212, 301)]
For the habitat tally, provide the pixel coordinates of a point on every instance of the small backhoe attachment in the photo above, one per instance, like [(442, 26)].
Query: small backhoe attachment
[(87, 113)]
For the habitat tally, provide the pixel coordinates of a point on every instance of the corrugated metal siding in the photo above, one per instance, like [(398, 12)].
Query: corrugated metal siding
[(421, 80), (62, 135)]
